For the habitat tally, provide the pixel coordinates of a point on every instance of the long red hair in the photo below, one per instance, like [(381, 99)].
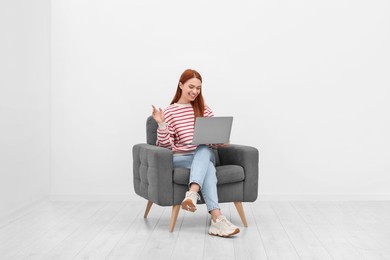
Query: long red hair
[(198, 103)]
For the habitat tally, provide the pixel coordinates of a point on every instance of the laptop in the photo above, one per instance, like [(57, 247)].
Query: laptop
[(212, 130)]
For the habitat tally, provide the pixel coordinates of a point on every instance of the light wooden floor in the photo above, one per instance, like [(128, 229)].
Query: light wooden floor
[(277, 230)]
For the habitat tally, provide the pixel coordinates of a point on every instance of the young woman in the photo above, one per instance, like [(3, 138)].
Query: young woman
[(175, 131)]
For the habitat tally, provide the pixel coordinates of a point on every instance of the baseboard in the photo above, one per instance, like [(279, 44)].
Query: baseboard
[(324, 197), (261, 197), (93, 197)]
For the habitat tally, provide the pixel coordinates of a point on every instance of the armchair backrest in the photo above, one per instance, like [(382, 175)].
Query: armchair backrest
[(151, 131)]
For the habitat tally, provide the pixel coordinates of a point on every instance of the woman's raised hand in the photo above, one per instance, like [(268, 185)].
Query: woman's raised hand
[(158, 115)]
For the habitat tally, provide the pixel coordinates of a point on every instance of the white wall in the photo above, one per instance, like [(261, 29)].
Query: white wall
[(307, 83), (24, 103)]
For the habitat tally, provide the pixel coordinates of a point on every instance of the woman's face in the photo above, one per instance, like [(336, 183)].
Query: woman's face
[(190, 90)]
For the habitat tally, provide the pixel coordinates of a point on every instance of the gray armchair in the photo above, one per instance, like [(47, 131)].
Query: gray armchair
[(156, 180)]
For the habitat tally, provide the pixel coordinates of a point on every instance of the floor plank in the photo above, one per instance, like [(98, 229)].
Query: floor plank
[(22, 212), (301, 236), (277, 243), (276, 230), (130, 246), (18, 236), (250, 244), (371, 218), (161, 242), (191, 234), (362, 240), (110, 235), (83, 231), (333, 240)]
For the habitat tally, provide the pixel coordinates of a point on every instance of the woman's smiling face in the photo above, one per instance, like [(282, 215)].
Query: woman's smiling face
[(190, 90)]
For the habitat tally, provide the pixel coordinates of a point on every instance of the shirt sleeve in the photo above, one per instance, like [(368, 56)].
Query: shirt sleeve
[(208, 112), (165, 133)]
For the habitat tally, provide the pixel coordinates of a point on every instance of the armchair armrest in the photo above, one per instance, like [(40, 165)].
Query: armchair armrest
[(153, 173), (248, 158)]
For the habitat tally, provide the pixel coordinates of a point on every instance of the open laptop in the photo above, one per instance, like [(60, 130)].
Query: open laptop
[(212, 130)]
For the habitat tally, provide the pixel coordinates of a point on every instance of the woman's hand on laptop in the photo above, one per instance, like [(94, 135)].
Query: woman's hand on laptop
[(224, 145), (158, 115)]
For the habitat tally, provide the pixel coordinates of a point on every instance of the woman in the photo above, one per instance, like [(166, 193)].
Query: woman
[(175, 131)]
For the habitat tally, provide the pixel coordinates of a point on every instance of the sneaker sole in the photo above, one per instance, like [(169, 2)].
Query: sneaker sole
[(236, 231), (188, 205)]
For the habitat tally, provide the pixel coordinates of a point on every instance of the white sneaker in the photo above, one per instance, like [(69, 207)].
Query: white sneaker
[(189, 202), (223, 227)]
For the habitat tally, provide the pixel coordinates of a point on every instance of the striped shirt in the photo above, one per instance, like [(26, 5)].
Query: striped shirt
[(178, 130)]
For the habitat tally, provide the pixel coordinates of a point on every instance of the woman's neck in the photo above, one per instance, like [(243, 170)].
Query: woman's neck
[(183, 102)]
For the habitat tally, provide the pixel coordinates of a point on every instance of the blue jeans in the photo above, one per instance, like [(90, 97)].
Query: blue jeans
[(202, 173)]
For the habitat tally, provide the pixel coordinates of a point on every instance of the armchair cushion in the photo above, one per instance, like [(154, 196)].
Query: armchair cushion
[(225, 174)]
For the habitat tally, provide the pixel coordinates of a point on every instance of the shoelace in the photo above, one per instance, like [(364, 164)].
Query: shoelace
[(225, 222)]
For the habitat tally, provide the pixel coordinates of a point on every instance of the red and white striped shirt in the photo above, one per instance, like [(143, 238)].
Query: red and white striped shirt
[(178, 130)]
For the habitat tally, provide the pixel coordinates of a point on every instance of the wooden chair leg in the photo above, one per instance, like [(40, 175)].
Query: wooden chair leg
[(175, 213), (240, 210), (148, 206)]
